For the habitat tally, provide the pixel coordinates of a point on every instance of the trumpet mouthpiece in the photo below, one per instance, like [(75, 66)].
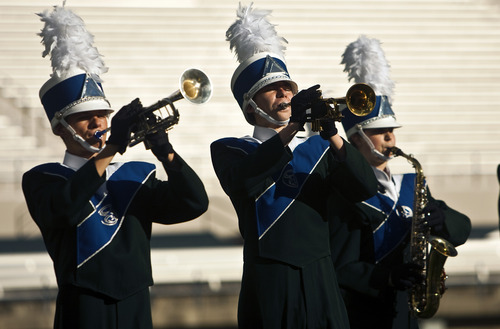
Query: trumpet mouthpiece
[(98, 134)]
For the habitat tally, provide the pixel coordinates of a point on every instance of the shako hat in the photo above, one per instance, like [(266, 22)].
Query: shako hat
[(75, 83), (365, 62), (260, 52)]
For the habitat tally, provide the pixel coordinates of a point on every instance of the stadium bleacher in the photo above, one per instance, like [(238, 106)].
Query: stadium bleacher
[(444, 56)]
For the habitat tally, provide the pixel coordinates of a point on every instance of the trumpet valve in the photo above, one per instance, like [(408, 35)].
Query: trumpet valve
[(316, 125)]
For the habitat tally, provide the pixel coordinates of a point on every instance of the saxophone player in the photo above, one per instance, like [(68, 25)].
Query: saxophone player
[(370, 239)]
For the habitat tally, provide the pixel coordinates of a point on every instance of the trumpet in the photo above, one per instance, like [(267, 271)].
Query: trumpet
[(194, 86), (360, 99)]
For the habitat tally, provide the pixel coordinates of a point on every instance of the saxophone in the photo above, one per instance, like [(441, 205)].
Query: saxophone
[(424, 298)]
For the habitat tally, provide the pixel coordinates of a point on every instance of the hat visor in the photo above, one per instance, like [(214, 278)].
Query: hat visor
[(97, 104), (387, 122), (375, 123)]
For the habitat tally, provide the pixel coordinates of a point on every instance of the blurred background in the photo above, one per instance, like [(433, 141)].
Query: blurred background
[(445, 60)]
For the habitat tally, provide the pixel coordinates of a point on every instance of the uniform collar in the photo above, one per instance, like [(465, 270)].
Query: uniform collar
[(263, 133), (386, 183), (73, 161)]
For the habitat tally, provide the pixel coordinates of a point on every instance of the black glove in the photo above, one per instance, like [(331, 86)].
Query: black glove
[(404, 276), (122, 124), (328, 129), (160, 145), (301, 102), (434, 217)]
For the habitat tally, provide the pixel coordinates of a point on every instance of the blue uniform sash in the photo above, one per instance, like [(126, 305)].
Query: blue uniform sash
[(398, 215), (99, 228), (287, 183)]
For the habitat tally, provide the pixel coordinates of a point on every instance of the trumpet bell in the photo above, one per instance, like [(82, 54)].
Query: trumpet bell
[(195, 86), (360, 99)]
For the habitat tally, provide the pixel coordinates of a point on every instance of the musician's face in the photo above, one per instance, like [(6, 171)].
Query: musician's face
[(85, 125), (382, 139), (274, 99)]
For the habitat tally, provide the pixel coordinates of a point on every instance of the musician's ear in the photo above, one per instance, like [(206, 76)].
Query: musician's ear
[(59, 130)]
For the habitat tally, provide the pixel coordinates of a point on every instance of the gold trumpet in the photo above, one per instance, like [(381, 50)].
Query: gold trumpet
[(194, 86), (360, 100)]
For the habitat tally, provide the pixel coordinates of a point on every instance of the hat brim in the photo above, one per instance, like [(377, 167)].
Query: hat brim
[(375, 123)]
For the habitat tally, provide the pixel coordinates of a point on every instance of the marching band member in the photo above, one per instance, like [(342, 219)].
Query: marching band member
[(370, 239), (96, 216), (278, 184)]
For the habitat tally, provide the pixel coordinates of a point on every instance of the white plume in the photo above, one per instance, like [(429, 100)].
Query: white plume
[(251, 33), (365, 62), (69, 44)]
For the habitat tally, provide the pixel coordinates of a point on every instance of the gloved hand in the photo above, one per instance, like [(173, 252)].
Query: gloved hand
[(301, 102), (122, 124), (328, 128), (160, 145), (404, 276), (434, 217)]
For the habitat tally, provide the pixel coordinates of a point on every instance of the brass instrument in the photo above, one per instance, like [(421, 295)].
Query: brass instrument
[(424, 298), (194, 86), (360, 100)]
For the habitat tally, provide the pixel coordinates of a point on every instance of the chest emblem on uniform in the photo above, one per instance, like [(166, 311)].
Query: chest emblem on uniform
[(405, 212), (108, 217), (289, 178)]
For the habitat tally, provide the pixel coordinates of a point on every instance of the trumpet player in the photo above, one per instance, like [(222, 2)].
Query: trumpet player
[(95, 215), (278, 184), (370, 239)]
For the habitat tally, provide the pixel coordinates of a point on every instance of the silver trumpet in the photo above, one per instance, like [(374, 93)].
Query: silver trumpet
[(194, 86)]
